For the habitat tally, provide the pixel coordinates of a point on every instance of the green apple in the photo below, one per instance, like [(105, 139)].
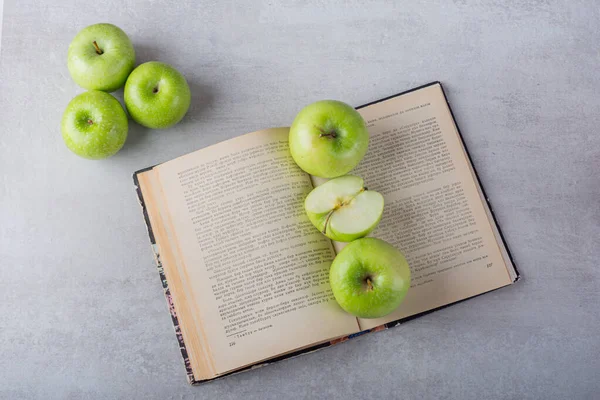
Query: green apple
[(328, 138), (157, 95), (94, 125), (343, 209), (369, 278), (101, 57)]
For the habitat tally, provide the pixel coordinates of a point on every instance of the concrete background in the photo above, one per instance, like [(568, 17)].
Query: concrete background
[(1, 11), (83, 315)]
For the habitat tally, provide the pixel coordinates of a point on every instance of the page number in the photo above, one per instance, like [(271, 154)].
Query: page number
[(231, 344), (489, 265)]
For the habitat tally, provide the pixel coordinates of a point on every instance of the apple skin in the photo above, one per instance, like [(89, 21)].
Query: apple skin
[(341, 192), (328, 138), (107, 71), (157, 95), (384, 266), (94, 125)]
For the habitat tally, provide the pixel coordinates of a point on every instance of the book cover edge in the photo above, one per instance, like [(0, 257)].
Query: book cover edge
[(470, 159), (163, 279), (485, 196)]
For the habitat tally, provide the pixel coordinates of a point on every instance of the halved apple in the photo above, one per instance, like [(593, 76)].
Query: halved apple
[(343, 209)]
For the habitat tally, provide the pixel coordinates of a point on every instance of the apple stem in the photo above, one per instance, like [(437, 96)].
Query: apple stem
[(332, 135), (369, 284), (98, 50)]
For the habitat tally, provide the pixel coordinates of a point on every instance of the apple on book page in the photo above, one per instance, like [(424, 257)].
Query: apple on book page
[(245, 271), (435, 211)]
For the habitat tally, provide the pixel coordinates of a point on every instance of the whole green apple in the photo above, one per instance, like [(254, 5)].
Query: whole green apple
[(343, 209), (369, 278), (157, 95), (94, 125), (101, 57), (328, 138)]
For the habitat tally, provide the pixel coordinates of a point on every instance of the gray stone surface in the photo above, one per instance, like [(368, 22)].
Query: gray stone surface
[(1, 11), (82, 311)]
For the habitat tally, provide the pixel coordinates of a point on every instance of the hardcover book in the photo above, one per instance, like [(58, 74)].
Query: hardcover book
[(246, 274)]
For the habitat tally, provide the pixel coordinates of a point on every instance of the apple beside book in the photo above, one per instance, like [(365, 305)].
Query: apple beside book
[(157, 95), (101, 57), (94, 125)]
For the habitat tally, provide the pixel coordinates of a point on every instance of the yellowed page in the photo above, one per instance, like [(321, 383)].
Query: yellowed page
[(187, 314), (258, 270), (433, 208)]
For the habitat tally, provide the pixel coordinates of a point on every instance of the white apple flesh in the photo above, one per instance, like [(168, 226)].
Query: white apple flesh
[(343, 209)]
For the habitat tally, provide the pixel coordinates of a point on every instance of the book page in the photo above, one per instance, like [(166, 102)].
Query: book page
[(433, 207), (188, 328), (257, 270)]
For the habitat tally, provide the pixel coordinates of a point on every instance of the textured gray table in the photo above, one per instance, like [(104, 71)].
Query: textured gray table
[(83, 314)]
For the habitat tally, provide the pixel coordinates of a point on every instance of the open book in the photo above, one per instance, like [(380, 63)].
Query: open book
[(246, 275)]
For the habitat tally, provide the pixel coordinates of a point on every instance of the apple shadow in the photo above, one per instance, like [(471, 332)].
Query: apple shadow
[(136, 135), (145, 53), (202, 96)]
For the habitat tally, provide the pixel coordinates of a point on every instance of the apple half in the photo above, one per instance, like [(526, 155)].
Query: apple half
[(343, 209)]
